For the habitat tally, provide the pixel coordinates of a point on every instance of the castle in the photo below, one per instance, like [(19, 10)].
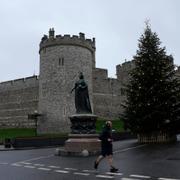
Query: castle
[(61, 58)]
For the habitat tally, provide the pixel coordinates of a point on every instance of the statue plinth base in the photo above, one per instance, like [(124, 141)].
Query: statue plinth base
[(82, 141)]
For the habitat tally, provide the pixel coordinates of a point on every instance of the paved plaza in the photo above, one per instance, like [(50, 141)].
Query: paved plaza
[(135, 162)]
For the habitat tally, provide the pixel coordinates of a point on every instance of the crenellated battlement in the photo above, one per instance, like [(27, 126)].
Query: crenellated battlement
[(54, 40), (23, 82), (128, 65)]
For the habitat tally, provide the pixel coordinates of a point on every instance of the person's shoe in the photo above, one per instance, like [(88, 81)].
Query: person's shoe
[(113, 170), (95, 165)]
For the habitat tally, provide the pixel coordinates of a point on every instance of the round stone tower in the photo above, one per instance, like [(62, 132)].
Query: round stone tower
[(61, 59)]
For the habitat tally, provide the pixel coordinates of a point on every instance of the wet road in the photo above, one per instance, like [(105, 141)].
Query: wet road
[(135, 161)]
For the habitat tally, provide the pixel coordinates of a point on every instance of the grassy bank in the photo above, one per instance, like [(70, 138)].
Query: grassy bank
[(16, 132), (117, 125), (29, 132)]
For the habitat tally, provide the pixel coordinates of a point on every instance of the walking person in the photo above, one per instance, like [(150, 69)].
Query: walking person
[(106, 147)]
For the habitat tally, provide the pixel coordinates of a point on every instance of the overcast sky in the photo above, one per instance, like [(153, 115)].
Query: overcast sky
[(116, 25)]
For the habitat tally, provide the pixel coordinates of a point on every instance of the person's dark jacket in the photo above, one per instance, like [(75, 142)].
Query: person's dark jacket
[(106, 134), (106, 141)]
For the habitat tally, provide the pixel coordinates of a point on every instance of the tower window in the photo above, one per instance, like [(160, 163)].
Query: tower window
[(64, 111), (61, 61)]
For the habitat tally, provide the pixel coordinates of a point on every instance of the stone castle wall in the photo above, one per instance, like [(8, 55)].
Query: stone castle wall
[(106, 94), (18, 98)]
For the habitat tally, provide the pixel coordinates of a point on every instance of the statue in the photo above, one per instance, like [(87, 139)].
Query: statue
[(82, 102)]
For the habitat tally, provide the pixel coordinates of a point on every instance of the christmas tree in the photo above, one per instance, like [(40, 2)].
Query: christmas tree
[(153, 91)]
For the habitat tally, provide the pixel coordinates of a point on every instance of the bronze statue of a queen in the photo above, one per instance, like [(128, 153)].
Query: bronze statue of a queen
[(82, 102)]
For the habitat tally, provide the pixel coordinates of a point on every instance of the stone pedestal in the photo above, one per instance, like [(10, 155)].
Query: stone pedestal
[(82, 141), (83, 123)]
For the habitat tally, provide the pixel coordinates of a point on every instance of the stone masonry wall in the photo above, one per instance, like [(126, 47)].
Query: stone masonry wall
[(61, 59), (106, 95), (18, 98)]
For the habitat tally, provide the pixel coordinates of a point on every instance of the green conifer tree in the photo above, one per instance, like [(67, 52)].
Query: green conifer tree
[(153, 91)]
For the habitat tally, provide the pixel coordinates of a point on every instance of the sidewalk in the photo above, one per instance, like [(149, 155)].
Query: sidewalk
[(117, 145), (2, 148)]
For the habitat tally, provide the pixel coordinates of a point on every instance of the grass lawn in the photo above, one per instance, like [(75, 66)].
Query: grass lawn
[(117, 125), (30, 132), (16, 132)]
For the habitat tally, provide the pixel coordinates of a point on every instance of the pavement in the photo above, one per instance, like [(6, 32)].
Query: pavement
[(135, 162), (2, 148)]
